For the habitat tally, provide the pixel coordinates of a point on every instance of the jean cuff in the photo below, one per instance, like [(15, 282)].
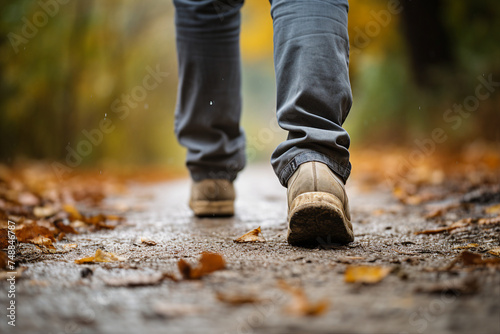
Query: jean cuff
[(286, 173), (213, 174)]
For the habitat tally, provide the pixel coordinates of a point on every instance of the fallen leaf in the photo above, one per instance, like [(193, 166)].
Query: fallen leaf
[(442, 210), (101, 256), (252, 236), (455, 225), (495, 251), (148, 241), (467, 246), (31, 229), (4, 259), (141, 280), (209, 262), (74, 214), (66, 228), (44, 211), (99, 221), (237, 299), (494, 209), (489, 221), (4, 238), (365, 274), (42, 241), (69, 246), (469, 258), (300, 304)]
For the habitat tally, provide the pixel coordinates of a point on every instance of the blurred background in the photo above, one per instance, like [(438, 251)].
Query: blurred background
[(67, 65)]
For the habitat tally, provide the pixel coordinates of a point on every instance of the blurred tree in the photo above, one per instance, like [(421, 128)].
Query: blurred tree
[(427, 37)]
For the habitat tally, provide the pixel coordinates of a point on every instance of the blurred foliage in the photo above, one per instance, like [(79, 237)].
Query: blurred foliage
[(65, 77)]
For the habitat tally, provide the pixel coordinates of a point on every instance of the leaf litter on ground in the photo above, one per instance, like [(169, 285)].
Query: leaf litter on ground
[(208, 263), (101, 256), (365, 274), (472, 259), (251, 236), (300, 305)]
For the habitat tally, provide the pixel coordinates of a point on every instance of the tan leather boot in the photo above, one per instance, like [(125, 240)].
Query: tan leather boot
[(212, 197), (318, 208)]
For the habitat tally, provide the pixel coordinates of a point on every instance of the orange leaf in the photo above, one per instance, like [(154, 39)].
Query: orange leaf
[(251, 236), (209, 262), (365, 274)]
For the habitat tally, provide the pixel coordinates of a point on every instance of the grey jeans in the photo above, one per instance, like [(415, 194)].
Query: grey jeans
[(311, 56)]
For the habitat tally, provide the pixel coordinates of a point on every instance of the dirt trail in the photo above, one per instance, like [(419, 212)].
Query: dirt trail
[(419, 295)]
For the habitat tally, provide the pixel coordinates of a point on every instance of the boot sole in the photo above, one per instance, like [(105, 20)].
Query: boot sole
[(212, 208), (318, 218)]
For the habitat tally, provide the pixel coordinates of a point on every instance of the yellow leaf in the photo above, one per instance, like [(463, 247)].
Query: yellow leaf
[(300, 304), (42, 241), (44, 211), (252, 236), (74, 214), (365, 274), (495, 251), (493, 209), (101, 256)]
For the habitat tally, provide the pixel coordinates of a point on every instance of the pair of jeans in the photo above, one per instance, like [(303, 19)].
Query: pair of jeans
[(311, 56)]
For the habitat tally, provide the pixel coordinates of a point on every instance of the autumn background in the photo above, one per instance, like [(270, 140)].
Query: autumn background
[(410, 63)]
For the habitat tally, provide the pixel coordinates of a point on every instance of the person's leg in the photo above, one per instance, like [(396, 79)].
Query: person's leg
[(311, 51), (207, 118)]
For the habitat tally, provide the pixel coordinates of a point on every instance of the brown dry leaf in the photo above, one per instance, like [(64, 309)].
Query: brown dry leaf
[(69, 246), (469, 258), (73, 213), (42, 241), (494, 209), (365, 274), (489, 221), (237, 299), (148, 241), (251, 236), (300, 304), (4, 238), (29, 230), (99, 221), (101, 256), (455, 225), (467, 246), (442, 210), (4, 259), (66, 228), (44, 211), (495, 251), (141, 280), (209, 262)]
